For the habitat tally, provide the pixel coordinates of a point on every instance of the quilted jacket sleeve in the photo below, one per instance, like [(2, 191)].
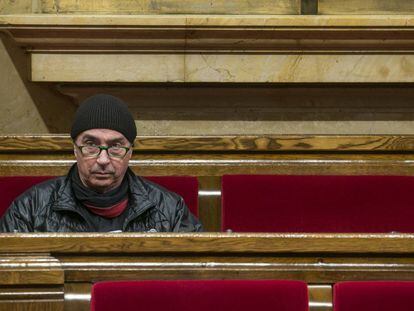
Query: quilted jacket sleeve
[(184, 220), (18, 217)]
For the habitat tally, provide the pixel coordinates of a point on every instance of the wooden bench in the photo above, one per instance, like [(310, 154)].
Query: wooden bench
[(52, 271), (210, 157), (186, 186)]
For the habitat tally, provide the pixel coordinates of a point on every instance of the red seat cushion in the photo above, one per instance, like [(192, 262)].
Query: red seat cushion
[(12, 186), (200, 295), (374, 296), (280, 203)]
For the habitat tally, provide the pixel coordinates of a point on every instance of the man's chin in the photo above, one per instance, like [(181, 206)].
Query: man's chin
[(101, 182), (102, 176)]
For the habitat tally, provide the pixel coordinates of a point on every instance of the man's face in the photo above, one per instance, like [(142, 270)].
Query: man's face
[(102, 173)]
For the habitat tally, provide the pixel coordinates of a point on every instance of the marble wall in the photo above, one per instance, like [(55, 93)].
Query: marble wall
[(206, 108), (213, 92), (28, 107)]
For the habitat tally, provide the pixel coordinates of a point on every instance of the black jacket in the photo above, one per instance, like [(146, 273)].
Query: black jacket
[(52, 207)]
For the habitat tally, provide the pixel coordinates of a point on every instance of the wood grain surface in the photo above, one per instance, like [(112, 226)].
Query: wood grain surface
[(208, 243), (318, 259), (210, 157), (262, 143)]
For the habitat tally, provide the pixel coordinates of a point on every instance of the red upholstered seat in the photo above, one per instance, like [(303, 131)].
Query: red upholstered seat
[(281, 203), (374, 296), (200, 295), (186, 186), (12, 186)]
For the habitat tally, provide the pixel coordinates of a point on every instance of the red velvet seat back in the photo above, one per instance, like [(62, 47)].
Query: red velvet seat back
[(200, 295), (12, 186), (374, 296), (186, 186), (280, 203)]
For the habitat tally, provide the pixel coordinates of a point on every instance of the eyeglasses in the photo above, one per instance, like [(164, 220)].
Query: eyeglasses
[(95, 151)]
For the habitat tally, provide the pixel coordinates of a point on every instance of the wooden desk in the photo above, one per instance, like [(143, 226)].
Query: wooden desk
[(55, 271)]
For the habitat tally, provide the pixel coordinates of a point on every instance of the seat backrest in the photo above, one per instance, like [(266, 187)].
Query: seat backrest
[(200, 295), (186, 186), (374, 296), (285, 203), (12, 186)]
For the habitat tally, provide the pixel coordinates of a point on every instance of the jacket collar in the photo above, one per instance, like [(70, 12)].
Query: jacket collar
[(140, 200)]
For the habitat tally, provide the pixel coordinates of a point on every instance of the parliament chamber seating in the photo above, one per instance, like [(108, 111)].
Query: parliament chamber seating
[(362, 178), (281, 203), (201, 295), (338, 67), (373, 296), (12, 186)]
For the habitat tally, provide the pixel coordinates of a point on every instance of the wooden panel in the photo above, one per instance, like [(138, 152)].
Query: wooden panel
[(40, 293), (366, 7), (32, 305), (320, 297), (34, 269), (171, 7), (229, 143), (30, 282), (210, 157), (77, 296), (207, 243), (219, 164), (209, 202), (318, 259), (317, 270)]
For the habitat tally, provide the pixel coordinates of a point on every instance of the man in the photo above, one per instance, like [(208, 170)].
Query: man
[(100, 193)]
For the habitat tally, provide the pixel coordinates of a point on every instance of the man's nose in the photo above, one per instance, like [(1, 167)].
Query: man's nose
[(103, 158)]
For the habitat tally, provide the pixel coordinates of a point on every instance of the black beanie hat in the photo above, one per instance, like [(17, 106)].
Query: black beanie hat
[(106, 112)]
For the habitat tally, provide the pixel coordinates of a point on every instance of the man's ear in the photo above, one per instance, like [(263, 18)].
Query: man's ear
[(75, 150)]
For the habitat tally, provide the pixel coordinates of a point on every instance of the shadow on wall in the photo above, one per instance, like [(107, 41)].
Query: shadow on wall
[(258, 102), (29, 107)]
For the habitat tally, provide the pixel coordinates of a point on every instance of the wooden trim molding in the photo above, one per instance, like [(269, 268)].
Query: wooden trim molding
[(85, 258), (206, 49), (210, 33), (213, 243), (226, 144)]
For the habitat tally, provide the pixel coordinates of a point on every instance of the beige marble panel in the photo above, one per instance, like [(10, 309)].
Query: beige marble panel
[(225, 68), (107, 68), (18, 111), (92, 20), (17, 7), (206, 127), (302, 20), (299, 68), (366, 7), (172, 6), (28, 108), (256, 21)]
